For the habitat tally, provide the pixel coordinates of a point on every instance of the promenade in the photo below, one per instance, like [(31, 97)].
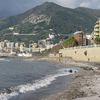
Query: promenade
[(90, 53)]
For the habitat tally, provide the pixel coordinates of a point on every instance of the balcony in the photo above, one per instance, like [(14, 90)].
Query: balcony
[(96, 33), (96, 26), (96, 29)]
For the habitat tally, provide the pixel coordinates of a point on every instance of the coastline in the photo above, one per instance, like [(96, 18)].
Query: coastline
[(52, 71), (85, 84)]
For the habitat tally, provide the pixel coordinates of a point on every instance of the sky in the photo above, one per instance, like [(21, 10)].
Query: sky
[(11, 7)]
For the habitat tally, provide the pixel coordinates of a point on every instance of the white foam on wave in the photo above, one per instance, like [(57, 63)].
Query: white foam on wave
[(4, 59), (44, 82), (5, 96)]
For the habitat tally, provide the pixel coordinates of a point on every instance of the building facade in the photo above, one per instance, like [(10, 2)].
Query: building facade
[(79, 37), (96, 32)]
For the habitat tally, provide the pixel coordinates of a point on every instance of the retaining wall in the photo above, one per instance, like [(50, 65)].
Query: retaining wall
[(91, 54)]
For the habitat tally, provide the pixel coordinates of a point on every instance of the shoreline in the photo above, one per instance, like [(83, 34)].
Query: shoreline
[(45, 80), (85, 84)]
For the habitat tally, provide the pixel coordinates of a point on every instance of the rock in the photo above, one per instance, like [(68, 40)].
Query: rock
[(70, 70), (8, 90)]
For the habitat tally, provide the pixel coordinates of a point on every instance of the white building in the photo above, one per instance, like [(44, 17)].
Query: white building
[(51, 36), (16, 45), (96, 31), (11, 28), (15, 33)]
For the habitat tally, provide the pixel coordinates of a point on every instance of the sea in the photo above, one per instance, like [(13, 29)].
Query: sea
[(22, 79)]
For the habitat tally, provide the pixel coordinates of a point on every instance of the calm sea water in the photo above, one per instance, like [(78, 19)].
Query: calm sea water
[(31, 80)]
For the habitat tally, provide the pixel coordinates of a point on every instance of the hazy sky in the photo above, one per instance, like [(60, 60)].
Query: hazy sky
[(78, 3), (8, 7)]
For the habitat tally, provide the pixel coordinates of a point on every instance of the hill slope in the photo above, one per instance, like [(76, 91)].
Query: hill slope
[(41, 19)]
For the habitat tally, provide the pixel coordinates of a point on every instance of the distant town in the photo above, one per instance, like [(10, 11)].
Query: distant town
[(21, 49)]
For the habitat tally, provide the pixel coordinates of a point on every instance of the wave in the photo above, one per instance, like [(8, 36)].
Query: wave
[(4, 59), (44, 82)]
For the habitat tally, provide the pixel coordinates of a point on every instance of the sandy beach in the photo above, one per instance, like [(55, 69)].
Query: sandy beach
[(85, 84)]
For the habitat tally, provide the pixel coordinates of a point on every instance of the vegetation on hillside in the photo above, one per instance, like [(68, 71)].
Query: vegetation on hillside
[(70, 42), (62, 21)]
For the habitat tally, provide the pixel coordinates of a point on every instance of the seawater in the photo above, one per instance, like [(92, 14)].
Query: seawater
[(26, 80)]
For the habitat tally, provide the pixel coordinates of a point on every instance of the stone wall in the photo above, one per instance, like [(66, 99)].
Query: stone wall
[(90, 54)]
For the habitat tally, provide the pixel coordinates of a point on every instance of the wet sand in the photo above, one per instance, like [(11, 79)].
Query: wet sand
[(85, 84)]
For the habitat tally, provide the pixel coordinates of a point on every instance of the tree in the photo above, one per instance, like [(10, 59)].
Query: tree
[(97, 40), (70, 42)]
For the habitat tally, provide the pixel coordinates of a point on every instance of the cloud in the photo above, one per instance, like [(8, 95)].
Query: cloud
[(90, 4), (12, 7), (78, 3)]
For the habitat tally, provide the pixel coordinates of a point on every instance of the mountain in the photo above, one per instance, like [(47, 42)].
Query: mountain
[(42, 18), (92, 12)]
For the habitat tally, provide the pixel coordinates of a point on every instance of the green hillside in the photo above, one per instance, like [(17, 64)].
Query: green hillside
[(41, 19)]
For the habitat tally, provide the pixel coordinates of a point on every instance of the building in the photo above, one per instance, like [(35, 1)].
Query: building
[(51, 36), (79, 37), (16, 33), (2, 44), (22, 47), (88, 40), (17, 45), (11, 28), (96, 31), (42, 43)]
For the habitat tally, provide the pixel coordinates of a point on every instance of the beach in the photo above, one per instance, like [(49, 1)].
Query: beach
[(29, 79), (85, 84), (46, 79)]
